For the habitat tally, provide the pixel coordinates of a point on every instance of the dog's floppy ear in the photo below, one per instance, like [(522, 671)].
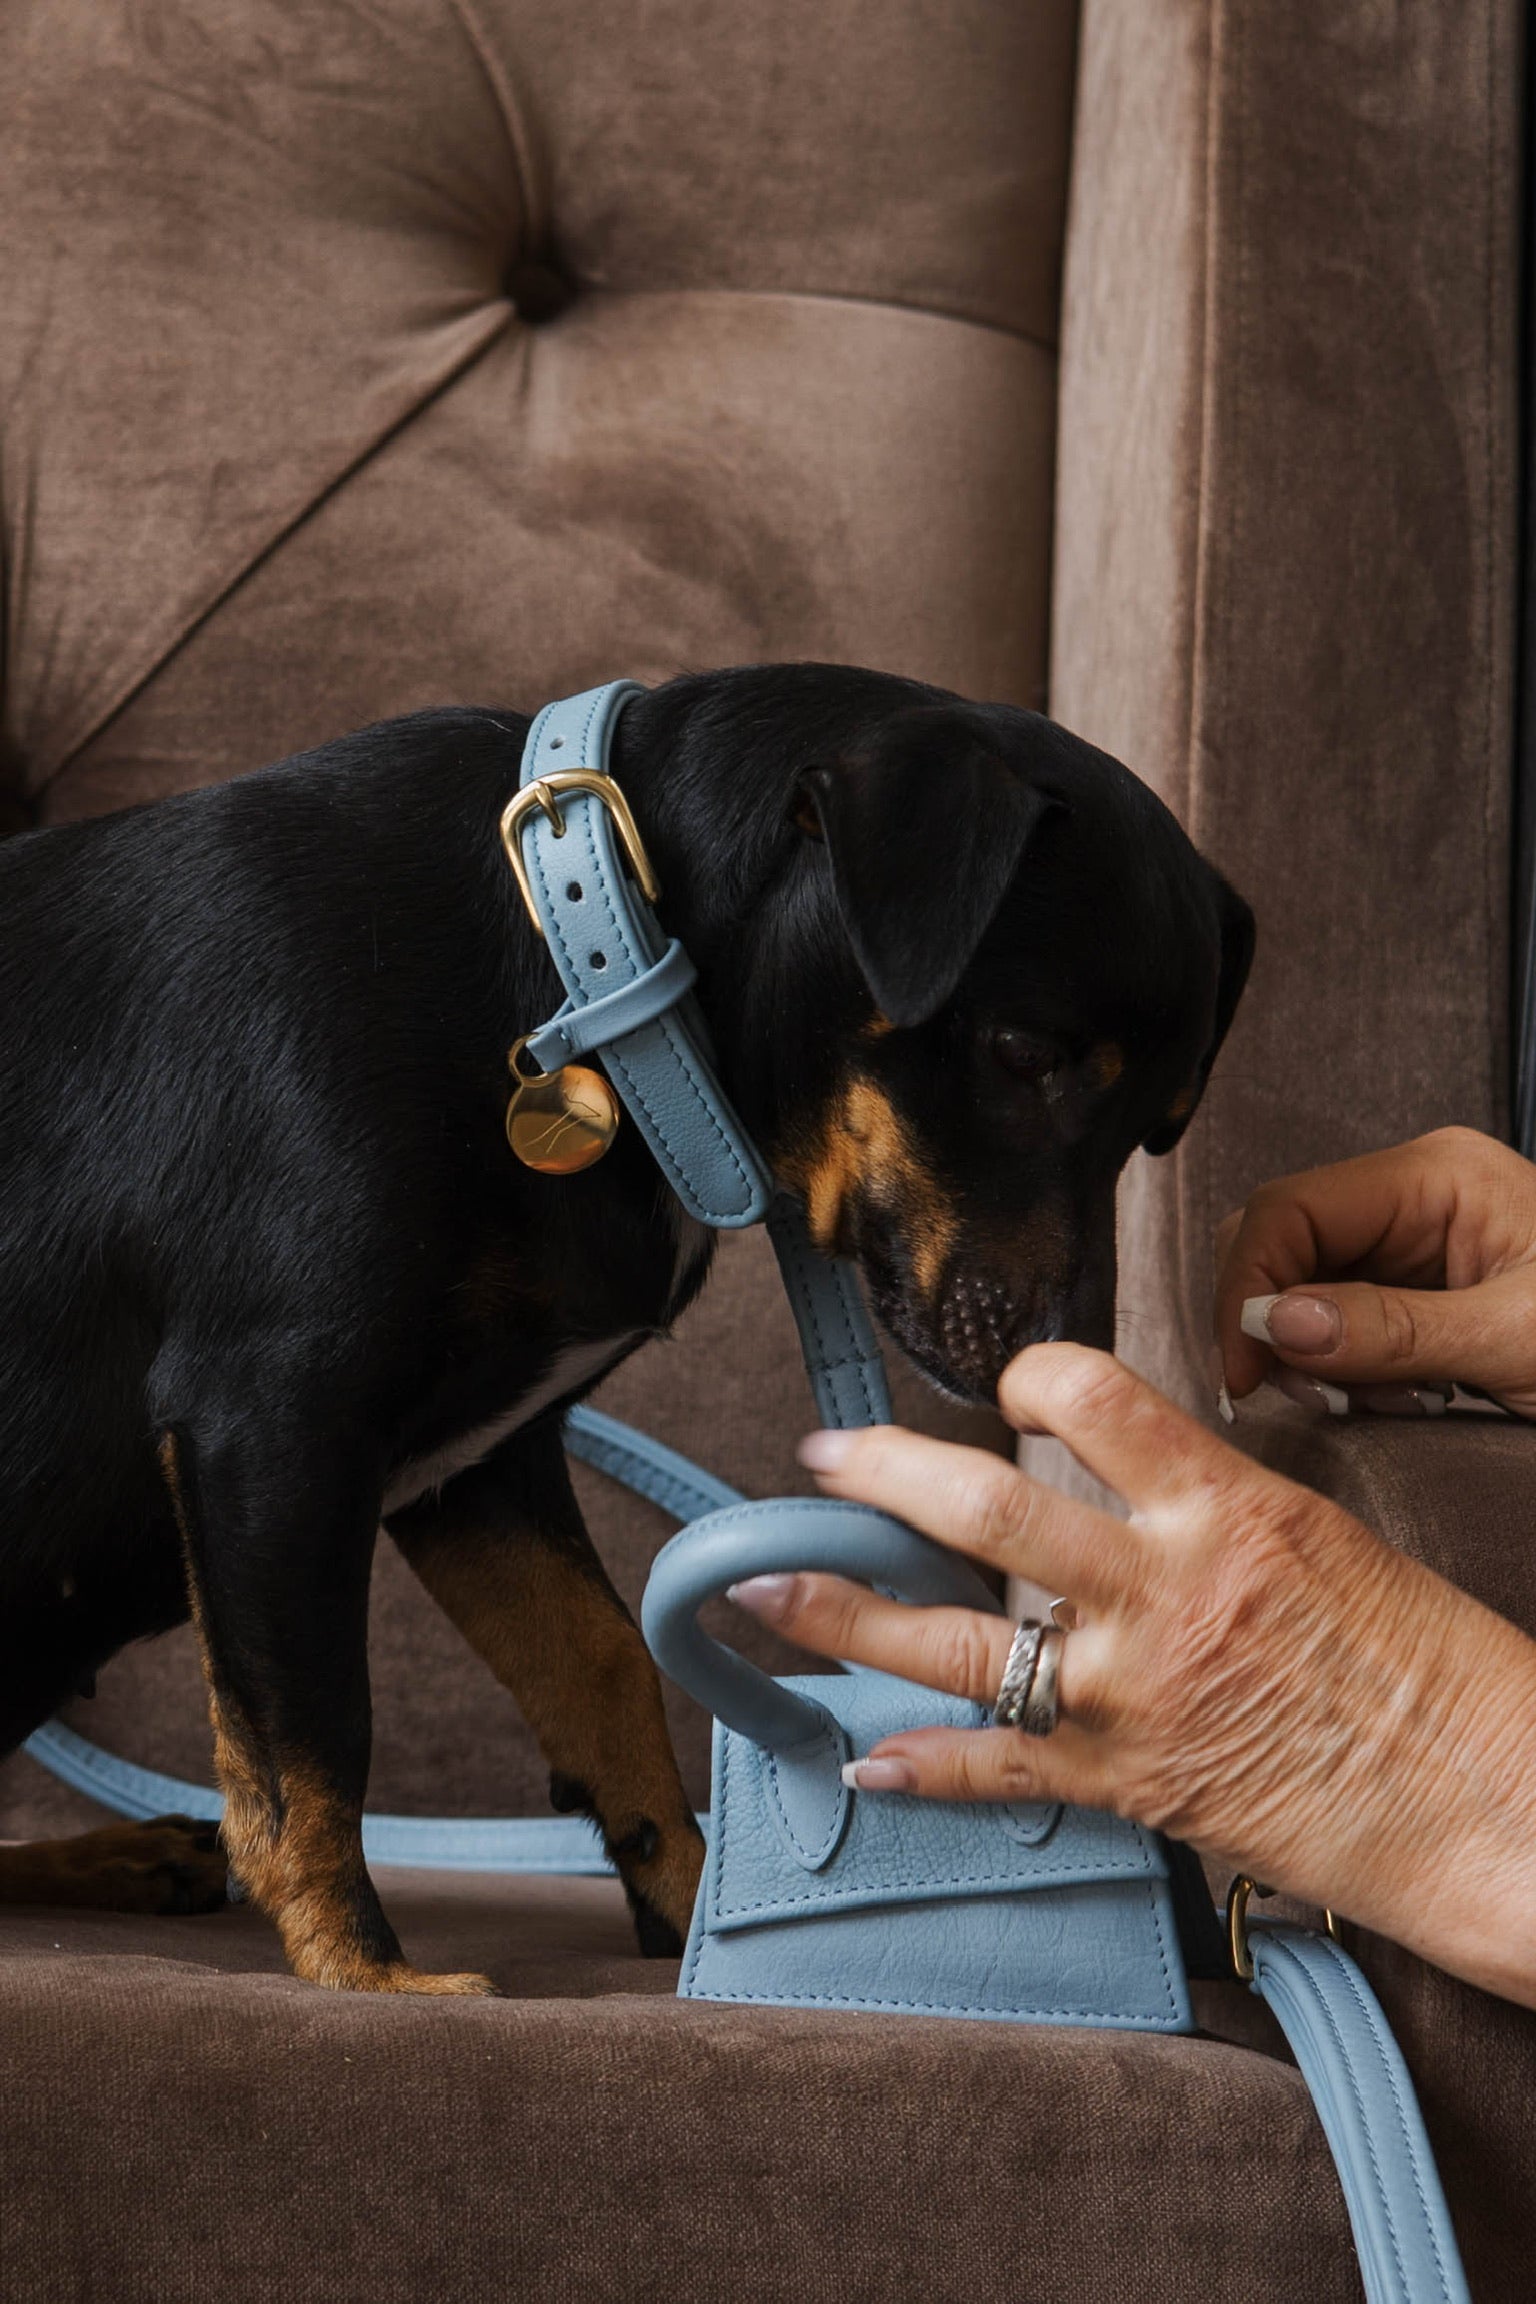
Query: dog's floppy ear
[(1237, 942), (925, 827)]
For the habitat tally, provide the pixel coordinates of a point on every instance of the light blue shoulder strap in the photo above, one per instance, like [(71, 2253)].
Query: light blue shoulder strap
[(603, 937), (1370, 2114), (842, 1357)]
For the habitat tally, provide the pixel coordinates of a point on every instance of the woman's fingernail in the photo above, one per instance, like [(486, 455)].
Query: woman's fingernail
[(1311, 1392), (1296, 1323), (824, 1451), (1216, 1368), (1254, 1319), (880, 1776), (1401, 1399), (766, 1596)]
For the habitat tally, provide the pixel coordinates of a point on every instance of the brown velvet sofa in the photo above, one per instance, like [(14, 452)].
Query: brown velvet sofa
[(361, 356)]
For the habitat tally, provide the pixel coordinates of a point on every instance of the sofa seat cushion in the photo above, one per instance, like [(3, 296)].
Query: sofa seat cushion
[(185, 2119)]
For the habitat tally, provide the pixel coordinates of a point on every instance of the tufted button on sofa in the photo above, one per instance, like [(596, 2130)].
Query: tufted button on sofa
[(360, 356), (357, 355)]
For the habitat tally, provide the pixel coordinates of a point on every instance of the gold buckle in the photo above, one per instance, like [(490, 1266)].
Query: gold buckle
[(1238, 1894), (544, 793)]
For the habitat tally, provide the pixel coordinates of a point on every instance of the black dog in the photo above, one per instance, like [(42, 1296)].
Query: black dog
[(269, 1273)]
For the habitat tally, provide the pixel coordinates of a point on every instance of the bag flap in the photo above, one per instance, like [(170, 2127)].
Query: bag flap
[(896, 1850)]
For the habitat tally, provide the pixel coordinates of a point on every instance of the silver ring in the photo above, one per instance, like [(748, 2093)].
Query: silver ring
[(1018, 1674), (1042, 1705)]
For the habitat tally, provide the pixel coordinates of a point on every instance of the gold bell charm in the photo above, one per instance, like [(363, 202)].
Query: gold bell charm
[(559, 1122)]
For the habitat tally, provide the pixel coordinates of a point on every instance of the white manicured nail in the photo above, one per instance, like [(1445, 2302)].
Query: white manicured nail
[(1224, 1407), (879, 1775), (766, 1597), (1255, 1317), (1311, 1391)]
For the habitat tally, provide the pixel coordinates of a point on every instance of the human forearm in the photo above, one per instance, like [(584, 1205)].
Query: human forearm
[(1444, 1859)]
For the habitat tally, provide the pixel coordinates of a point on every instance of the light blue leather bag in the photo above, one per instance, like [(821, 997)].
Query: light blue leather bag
[(812, 1895), (817, 1896)]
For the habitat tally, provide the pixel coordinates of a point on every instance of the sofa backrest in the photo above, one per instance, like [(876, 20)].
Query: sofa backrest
[(357, 360)]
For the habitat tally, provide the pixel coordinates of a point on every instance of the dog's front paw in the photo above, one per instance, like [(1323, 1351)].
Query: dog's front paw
[(404, 1978), (660, 1872), (655, 1934), (352, 1972), (658, 1867)]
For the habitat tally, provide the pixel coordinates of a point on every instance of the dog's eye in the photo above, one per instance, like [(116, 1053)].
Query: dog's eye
[(1023, 1055)]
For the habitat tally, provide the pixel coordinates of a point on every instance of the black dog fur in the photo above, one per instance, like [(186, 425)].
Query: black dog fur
[(269, 1274)]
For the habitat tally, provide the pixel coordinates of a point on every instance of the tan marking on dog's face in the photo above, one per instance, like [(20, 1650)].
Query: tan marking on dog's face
[(867, 1152), (1108, 1062), (1182, 1105), (583, 1678), (877, 1027)]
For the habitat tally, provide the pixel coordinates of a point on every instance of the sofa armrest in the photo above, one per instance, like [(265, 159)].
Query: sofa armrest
[(1460, 1495), (1284, 576), (1458, 1492)]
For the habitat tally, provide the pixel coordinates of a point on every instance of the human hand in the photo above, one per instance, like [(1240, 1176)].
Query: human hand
[(1383, 1281), (1251, 1670)]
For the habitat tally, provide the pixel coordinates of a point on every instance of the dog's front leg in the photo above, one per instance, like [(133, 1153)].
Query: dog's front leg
[(504, 1551), (279, 1547)]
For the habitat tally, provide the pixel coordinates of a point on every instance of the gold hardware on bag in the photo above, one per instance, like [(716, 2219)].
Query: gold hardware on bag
[(559, 1122), (1238, 1894), (1237, 1924), (544, 793)]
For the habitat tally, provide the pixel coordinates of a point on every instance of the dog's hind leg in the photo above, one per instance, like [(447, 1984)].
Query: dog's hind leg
[(279, 1547), (504, 1551), (171, 1864)]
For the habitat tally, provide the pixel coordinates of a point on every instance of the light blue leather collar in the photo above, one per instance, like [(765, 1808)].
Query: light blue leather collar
[(627, 986), (628, 1003)]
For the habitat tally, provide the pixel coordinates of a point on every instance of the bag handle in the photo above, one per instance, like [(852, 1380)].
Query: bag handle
[(785, 1533)]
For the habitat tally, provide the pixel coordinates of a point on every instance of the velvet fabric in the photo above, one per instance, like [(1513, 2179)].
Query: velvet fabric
[(362, 357), (1283, 588), (1283, 583), (363, 354), (588, 2136)]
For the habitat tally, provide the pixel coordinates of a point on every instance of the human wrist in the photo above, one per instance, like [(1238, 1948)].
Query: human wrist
[(1443, 1859)]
